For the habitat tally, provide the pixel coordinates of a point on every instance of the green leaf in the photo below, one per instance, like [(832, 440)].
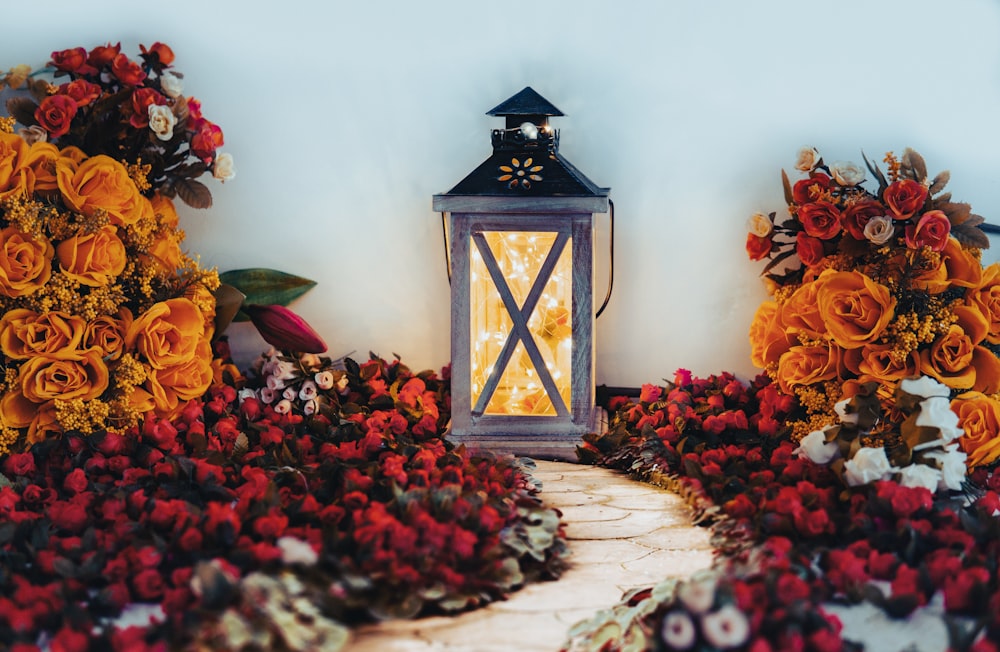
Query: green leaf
[(266, 287)]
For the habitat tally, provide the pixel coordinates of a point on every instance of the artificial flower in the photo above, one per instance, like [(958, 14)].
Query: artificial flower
[(866, 466), (816, 447)]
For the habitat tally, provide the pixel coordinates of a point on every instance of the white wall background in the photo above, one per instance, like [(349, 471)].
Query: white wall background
[(345, 117)]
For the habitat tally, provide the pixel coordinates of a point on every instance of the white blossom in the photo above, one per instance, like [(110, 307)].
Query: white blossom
[(920, 475), (324, 379), (162, 121), (925, 387), (815, 447), (807, 159), (936, 412), (171, 84), (850, 418), (678, 631), (879, 230), (868, 465), (726, 628), (223, 169), (308, 390), (296, 551), (847, 173), (760, 225), (698, 593), (284, 406), (951, 462)]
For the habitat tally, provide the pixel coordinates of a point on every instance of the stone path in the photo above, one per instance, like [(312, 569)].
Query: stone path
[(622, 535)]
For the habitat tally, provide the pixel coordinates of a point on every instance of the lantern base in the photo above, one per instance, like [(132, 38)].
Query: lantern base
[(521, 438)]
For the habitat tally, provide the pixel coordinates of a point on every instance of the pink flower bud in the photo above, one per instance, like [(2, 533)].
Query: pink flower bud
[(284, 330)]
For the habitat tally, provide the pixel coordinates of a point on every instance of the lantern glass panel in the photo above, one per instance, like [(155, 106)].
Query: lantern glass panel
[(515, 258)]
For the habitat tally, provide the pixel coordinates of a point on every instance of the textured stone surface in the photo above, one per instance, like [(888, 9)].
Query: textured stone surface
[(622, 535)]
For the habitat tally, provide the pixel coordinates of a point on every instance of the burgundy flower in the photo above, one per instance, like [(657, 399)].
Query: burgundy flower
[(148, 585), (19, 464)]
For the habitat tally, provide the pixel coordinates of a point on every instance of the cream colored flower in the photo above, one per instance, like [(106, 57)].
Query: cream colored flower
[(171, 85), (815, 447), (868, 465), (289, 394), (847, 173), (808, 158), (951, 462), (850, 418), (936, 412), (924, 387), (308, 390), (224, 170), (162, 121), (698, 593), (284, 406), (296, 551), (920, 475), (678, 631), (324, 380), (726, 628), (879, 229), (33, 134), (760, 225)]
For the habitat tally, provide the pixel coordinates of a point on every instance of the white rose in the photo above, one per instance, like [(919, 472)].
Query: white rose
[(283, 406), (760, 225), (879, 230), (867, 466), (171, 84), (951, 462), (815, 447), (244, 394), (289, 394), (324, 379), (274, 383), (726, 628), (284, 369), (924, 387), (936, 412), (267, 395), (308, 390), (223, 169), (310, 407), (162, 121), (296, 551), (847, 173), (850, 418), (920, 475), (678, 631), (698, 593), (807, 159)]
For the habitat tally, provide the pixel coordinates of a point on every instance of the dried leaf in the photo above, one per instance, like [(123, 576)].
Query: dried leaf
[(970, 236), (939, 182), (776, 260), (193, 193), (957, 212), (228, 301), (877, 173), (915, 162), (787, 186), (22, 109), (241, 446)]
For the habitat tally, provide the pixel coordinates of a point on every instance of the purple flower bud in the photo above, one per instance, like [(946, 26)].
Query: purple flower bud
[(284, 330)]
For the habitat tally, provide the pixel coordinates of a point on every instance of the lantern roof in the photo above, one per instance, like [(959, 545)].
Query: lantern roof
[(526, 103)]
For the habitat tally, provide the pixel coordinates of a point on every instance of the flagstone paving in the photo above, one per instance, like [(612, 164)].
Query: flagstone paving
[(622, 535)]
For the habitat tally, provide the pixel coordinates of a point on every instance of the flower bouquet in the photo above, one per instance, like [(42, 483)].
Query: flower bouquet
[(873, 287)]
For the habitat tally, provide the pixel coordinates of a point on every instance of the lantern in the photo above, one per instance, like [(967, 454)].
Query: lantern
[(520, 232)]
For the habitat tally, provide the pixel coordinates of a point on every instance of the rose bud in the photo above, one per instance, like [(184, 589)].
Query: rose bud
[(284, 330)]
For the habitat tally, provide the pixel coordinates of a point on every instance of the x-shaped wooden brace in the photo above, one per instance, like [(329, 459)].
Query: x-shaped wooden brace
[(519, 331)]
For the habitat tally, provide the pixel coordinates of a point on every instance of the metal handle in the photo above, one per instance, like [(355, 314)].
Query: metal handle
[(611, 255)]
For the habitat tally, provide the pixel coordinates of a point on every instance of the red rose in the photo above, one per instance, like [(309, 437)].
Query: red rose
[(82, 91), (35, 495), (72, 60), (907, 582), (109, 443), (809, 249), (148, 585), (127, 71), (271, 526), (142, 99), (159, 51), (76, 482), (906, 501), (205, 141), (813, 523), (68, 516), (191, 540), (820, 219), (251, 409), (103, 55), (811, 189), (19, 464), (791, 588), (221, 520), (159, 433), (856, 216), (55, 114), (967, 591), (650, 393), (904, 198), (931, 230), (69, 640), (739, 507)]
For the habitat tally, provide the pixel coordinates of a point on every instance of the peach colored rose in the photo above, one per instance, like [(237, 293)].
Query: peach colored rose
[(78, 375), (855, 309), (954, 360), (13, 150), (986, 298), (768, 339), (979, 418), (102, 183), (807, 365), (92, 258), (107, 334), (173, 386), (168, 333), (25, 262), (25, 334)]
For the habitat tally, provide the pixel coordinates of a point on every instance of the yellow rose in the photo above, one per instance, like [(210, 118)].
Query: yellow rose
[(101, 183), (25, 334), (13, 149), (807, 365), (854, 308), (979, 418), (955, 360), (107, 334), (168, 333), (767, 335), (80, 375), (184, 382), (25, 262), (93, 258), (986, 297)]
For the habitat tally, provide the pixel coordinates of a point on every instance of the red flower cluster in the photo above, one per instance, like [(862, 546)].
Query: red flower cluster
[(396, 521)]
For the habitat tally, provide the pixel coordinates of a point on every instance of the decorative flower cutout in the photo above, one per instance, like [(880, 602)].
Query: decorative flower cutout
[(519, 174)]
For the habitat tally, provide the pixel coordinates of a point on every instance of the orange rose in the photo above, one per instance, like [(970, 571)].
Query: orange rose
[(807, 365), (168, 333), (979, 418), (17, 411), (25, 334), (800, 313), (13, 150), (101, 183), (93, 258), (875, 361), (767, 336), (184, 382), (854, 308), (40, 168), (958, 268), (986, 298), (43, 423), (166, 252), (107, 334), (165, 211), (953, 359), (81, 375), (25, 262)]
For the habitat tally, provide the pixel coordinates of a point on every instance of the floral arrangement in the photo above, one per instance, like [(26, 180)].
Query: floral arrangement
[(104, 317), (877, 287), (797, 542), (133, 111)]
